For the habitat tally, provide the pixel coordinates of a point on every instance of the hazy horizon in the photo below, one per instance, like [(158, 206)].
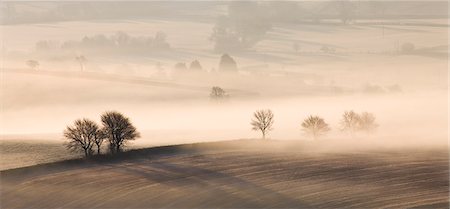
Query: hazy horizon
[(300, 58), (224, 104)]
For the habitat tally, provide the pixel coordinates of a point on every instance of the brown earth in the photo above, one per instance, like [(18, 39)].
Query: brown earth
[(237, 174)]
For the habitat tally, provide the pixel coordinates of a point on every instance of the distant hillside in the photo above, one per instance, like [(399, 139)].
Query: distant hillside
[(40, 12)]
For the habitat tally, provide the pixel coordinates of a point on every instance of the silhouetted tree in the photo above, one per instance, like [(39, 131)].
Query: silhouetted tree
[(350, 122), (118, 130), (315, 127), (82, 136), (160, 41), (367, 122), (195, 66), (101, 135), (262, 121), (33, 64), (218, 93), (81, 60), (227, 64)]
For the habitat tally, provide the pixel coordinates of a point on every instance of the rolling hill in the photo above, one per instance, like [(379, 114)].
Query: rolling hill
[(237, 174)]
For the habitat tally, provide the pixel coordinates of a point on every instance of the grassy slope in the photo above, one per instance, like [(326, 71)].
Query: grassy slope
[(244, 174)]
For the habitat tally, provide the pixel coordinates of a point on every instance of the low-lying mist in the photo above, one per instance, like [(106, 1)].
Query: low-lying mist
[(44, 104), (387, 58)]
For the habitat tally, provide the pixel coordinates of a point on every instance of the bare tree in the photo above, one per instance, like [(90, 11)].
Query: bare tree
[(315, 127), (82, 136), (33, 64), (262, 121), (218, 93), (350, 122), (118, 130), (81, 60), (367, 122), (353, 122), (101, 135)]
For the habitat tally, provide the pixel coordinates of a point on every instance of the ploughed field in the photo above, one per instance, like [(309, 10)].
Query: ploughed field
[(237, 174)]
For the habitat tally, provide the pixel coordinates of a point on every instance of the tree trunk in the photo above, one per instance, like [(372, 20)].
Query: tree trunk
[(117, 148), (86, 154), (98, 149), (264, 135)]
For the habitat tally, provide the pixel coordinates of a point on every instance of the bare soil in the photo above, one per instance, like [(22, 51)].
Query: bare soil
[(237, 174)]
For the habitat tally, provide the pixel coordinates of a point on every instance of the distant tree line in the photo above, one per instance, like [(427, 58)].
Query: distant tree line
[(227, 64), (281, 11), (119, 42)]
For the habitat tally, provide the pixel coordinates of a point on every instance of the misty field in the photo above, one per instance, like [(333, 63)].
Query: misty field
[(224, 104), (363, 70), (237, 174)]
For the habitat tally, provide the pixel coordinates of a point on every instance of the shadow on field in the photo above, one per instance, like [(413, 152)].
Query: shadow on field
[(237, 174), (130, 155), (175, 175)]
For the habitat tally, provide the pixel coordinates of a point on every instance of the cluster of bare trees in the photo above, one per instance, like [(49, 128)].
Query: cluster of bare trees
[(315, 126), (353, 122), (86, 135), (218, 94)]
